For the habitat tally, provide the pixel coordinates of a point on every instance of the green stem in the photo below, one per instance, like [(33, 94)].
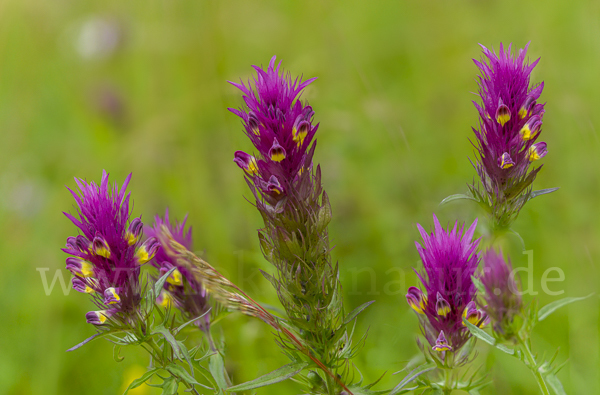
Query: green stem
[(533, 366), (330, 385), (156, 350), (447, 381)]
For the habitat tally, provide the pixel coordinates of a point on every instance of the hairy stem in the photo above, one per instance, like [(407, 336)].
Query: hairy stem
[(533, 366), (447, 381)]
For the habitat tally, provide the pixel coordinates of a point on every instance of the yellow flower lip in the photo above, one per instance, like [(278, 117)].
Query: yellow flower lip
[(277, 152), (503, 114)]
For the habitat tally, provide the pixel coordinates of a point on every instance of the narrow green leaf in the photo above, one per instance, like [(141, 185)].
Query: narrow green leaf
[(161, 282), (541, 192), (552, 307), (358, 390), (137, 382), (357, 311), (555, 384), (170, 386), (458, 196), (186, 355), (176, 331), (283, 373), (478, 284), (216, 365), (98, 335), (160, 329), (416, 372), (181, 373), (483, 335)]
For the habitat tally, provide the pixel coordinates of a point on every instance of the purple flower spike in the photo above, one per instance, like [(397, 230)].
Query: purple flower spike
[(280, 128), (502, 296), (181, 288), (510, 121), (104, 257), (449, 260)]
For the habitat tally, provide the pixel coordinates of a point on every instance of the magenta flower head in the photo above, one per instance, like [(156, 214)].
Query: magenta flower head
[(510, 122), (502, 296), (280, 128), (107, 255), (449, 260), (181, 288)]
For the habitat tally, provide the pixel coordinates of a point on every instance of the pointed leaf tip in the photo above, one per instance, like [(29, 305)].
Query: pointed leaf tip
[(281, 374)]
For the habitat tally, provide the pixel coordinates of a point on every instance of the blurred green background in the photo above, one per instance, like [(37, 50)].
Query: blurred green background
[(140, 86)]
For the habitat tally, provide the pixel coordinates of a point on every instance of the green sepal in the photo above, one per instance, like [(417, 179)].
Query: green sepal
[(458, 196), (358, 390), (550, 308), (95, 336), (179, 372), (354, 313), (539, 192), (414, 374), (170, 386), (281, 374), (160, 329), (158, 286), (478, 284), (180, 327), (555, 384), (116, 353), (216, 365)]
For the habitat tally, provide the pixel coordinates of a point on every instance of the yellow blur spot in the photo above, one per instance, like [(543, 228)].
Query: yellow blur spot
[(165, 299), (131, 373), (175, 278)]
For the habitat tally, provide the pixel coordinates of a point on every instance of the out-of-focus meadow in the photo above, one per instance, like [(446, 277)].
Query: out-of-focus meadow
[(141, 87)]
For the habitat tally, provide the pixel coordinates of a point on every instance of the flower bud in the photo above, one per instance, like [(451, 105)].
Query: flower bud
[(416, 299)]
